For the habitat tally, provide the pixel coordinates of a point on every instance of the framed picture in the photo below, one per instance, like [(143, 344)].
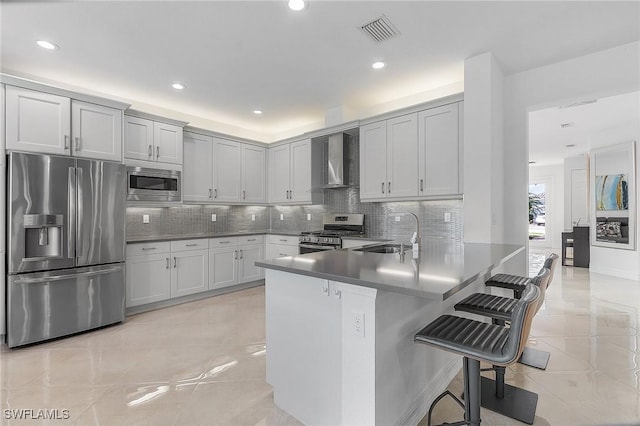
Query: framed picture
[(613, 201)]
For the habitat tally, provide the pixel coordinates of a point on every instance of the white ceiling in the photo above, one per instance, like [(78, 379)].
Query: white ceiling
[(587, 122), (237, 56)]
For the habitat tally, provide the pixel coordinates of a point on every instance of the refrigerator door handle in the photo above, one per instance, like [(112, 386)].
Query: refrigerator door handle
[(79, 209), (71, 217), (65, 277)]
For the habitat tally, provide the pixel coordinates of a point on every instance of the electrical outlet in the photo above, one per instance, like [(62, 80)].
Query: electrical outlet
[(358, 323), (281, 216), (447, 217), (397, 218), (253, 218), (308, 216), (145, 218), (214, 217)]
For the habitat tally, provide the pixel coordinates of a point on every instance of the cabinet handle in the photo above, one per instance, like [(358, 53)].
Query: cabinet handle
[(210, 193), (191, 245), (282, 254), (421, 185), (167, 259), (244, 194), (224, 242), (251, 239), (284, 241), (235, 254), (215, 193), (150, 151), (383, 187), (175, 262), (240, 254), (149, 248), (66, 141), (77, 143), (389, 187), (157, 152), (337, 293)]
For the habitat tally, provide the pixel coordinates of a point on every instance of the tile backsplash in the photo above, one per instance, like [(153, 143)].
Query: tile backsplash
[(379, 217)]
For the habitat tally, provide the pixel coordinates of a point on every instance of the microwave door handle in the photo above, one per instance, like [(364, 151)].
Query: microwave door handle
[(71, 212), (79, 210)]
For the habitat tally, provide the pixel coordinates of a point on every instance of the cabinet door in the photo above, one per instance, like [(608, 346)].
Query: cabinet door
[(300, 171), (138, 138), (37, 122), (190, 272), (253, 174), (167, 142), (197, 176), (227, 164), (373, 160), (248, 256), (148, 279), (223, 270), (279, 175), (439, 150), (96, 131), (402, 156)]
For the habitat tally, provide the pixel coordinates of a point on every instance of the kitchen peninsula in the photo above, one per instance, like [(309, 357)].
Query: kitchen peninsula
[(340, 327)]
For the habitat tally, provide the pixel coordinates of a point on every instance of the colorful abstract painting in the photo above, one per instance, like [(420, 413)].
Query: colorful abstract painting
[(612, 192)]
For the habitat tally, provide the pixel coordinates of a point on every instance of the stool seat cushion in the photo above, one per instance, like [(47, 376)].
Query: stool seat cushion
[(508, 281), (473, 339), (488, 305)]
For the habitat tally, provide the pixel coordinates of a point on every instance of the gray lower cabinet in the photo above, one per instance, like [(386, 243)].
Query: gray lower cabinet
[(247, 257), (148, 273), (223, 271), (232, 260), (190, 272)]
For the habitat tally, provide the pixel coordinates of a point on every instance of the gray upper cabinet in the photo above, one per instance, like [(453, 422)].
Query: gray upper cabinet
[(52, 124), (295, 173), (151, 140), (440, 150), (218, 170), (412, 156)]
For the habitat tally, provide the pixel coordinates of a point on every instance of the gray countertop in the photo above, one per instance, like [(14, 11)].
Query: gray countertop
[(173, 237), (444, 267)]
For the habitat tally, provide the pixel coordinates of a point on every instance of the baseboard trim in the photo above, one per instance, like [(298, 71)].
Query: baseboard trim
[(615, 272)]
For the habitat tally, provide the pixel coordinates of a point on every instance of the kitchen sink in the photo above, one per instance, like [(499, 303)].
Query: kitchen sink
[(385, 248)]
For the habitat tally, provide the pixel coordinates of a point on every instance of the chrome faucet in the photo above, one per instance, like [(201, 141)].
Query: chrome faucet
[(415, 239)]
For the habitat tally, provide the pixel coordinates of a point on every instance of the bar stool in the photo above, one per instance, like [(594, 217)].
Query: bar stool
[(531, 357), (480, 342), (510, 401)]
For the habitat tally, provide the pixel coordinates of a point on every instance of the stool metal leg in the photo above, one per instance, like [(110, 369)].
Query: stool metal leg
[(472, 391)]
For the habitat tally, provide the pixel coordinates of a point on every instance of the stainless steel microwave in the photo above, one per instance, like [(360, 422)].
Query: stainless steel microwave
[(145, 184)]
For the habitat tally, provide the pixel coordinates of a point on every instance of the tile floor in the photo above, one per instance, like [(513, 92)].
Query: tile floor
[(204, 363)]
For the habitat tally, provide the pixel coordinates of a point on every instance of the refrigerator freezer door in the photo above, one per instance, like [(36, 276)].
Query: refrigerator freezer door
[(40, 212), (45, 305), (101, 212)]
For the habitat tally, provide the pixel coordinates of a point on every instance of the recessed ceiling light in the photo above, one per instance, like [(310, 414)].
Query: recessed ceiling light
[(571, 145), (532, 162), (565, 125), (47, 45), (177, 86), (296, 4), (378, 65), (257, 112)]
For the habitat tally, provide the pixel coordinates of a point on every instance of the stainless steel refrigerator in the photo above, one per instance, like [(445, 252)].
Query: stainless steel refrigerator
[(65, 246)]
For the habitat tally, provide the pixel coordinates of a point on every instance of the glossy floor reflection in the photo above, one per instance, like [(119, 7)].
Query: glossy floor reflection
[(204, 363)]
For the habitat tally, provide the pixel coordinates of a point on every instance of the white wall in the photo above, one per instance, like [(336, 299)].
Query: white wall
[(483, 150), (612, 261), (554, 208), (606, 73)]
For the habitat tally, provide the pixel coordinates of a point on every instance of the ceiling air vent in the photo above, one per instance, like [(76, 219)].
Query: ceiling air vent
[(380, 29)]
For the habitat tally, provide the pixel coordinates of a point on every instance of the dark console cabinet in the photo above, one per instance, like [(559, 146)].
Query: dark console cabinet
[(579, 240)]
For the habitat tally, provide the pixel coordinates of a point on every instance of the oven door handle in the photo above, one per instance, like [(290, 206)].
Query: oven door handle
[(317, 247)]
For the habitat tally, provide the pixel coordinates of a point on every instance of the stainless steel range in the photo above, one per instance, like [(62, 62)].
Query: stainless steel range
[(335, 226)]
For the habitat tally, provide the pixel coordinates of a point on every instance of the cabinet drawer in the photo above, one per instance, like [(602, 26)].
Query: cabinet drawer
[(251, 239), (148, 248), (223, 242), (289, 240), (185, 245)]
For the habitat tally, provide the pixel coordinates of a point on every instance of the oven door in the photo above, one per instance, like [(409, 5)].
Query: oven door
[(313, 248), (153, 184)]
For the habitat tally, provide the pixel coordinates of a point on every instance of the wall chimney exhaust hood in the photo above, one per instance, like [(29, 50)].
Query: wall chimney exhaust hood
[(337, 161)]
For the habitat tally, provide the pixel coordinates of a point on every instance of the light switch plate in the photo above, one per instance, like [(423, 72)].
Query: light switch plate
[(281, 216), (253, 217), (308, 216), (397, 218), (145, 218), (214, 217), (447, 217)]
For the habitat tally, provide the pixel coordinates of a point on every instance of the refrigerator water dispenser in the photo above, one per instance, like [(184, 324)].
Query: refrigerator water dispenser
[(43, 236)]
